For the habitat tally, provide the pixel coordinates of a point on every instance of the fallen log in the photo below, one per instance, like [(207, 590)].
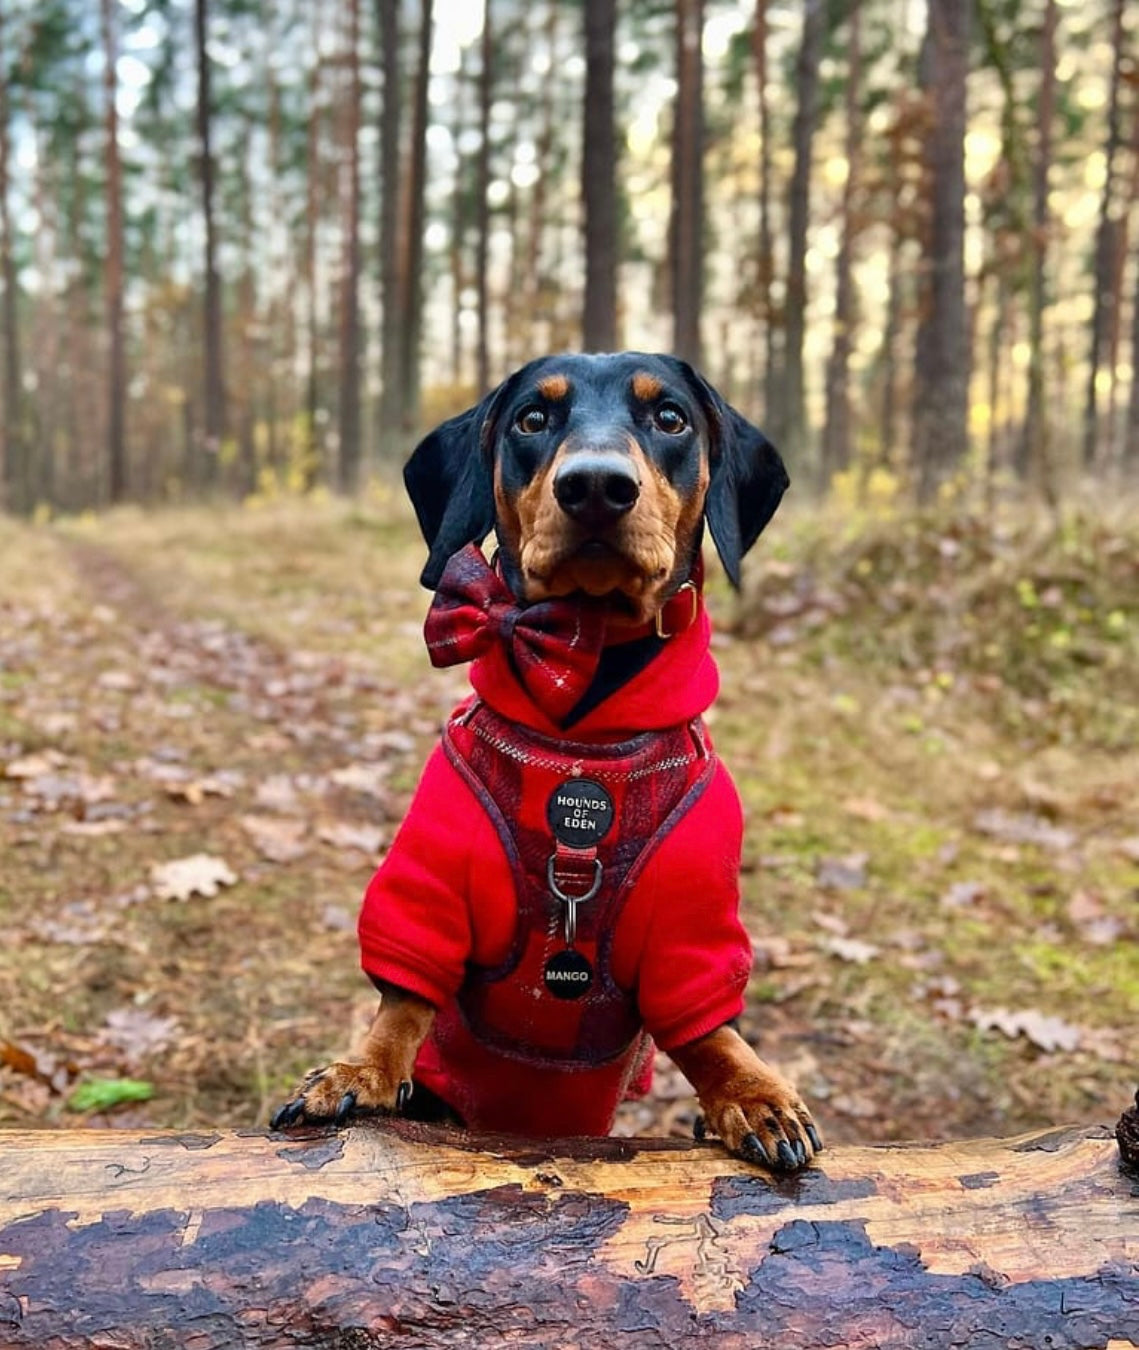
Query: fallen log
[(401, 1234)]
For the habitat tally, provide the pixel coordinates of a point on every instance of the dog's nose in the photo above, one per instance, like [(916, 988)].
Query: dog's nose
[(596, 487)]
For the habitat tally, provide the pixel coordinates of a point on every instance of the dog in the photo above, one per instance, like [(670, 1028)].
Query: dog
[(562, 896)]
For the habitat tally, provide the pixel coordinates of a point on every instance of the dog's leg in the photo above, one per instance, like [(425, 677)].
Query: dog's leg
[(379, 1078), (753, 1109)]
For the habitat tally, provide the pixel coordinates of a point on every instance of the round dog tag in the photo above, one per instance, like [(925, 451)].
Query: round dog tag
[(580, 812), (568, 974)]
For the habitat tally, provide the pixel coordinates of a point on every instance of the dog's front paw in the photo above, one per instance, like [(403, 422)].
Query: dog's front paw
[(341, 1091), (761, 1118)]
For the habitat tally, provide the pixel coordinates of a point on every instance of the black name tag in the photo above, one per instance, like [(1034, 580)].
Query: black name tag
[(580, 812), (568, 974)]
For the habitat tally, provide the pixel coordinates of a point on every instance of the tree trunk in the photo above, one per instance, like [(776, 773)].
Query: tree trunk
[(391, 386), (599, 180), (687, 218), (765, 267), (11, 434), (349, 460), (409, 1235), (116, 366), (1034, 449), (836, 432), (313, 458), (941, 370), (791, 424), (213, 412), (1103, 314), (482, 205), (411, 251)]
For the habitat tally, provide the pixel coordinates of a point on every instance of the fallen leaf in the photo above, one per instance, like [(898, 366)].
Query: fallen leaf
[(34, 766), (362, 838), (18, 1059), (101, 1094), (138, 1033), (1022, 828), (850, 949), (843, 874), (370, 779), (962, 894), (278, 839), (1047, 1033), (199, 874), (865, 808)]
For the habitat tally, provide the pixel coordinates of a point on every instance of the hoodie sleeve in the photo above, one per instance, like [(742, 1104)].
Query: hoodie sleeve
[(696, 956), (415, 924)]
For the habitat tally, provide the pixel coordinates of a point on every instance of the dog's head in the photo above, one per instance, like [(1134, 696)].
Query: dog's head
[(596, 474)]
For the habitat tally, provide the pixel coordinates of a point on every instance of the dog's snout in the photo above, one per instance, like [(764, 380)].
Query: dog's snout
[(596, 488)]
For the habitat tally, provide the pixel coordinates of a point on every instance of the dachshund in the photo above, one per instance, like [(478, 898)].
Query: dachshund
[(562, 897)]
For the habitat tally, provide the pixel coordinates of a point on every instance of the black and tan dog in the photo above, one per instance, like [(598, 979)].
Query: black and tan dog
[(566, 882)]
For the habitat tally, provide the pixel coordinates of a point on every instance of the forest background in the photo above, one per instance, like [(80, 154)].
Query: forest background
[(250, 248), (252, 244)]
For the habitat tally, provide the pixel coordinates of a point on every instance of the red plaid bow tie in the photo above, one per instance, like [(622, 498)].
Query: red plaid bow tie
[(555, 644)]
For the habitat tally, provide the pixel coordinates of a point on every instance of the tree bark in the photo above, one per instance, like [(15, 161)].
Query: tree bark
[(1034, 450), (11, 440), (411, 1235), (941, 385), (687, 218), (836, 432), (350, 450), (391, 410), (791, 422), (412, 247), (482, 205), (214, 412), (313, 457), (599, 180), (765, 267), (113, 272), (1106, 247)]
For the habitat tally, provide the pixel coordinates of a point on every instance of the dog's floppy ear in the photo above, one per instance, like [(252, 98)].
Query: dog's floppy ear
[(449, 481), (748, 480)]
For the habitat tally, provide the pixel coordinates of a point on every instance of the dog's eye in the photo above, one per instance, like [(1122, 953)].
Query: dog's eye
[(670, 419), (531, 421)]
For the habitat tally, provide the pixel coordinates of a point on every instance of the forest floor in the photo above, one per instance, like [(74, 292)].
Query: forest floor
[(934, 726)]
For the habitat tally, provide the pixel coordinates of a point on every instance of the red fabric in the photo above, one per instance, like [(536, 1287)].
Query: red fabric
[(554, 646), (445, 900)]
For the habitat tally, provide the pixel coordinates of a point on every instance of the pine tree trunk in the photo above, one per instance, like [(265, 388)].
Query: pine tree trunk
[(214, 412), (836, 433), (482, 205), (313, 458), (113, 272), (412, 233), (11, 447), (391, 350), (400, 1235), (766, 262), (599, 180), (1034, 449), (791, 424), (941, 370), (1103, 313), (687, 218), (349, 461)]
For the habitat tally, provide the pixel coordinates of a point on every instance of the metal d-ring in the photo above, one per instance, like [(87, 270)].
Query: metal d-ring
[(571, 902)]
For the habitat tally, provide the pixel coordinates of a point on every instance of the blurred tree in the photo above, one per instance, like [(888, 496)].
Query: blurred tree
[(686, 234), (599, 180), (390, 411), (941, 366), (482, 204), (791, 411), (836, 430), (349, 458), (765, 263), (214, 411), (116, 366), (11, 440)]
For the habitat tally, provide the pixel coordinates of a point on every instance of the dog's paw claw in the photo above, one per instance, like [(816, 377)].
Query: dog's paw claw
[(344, 1109), (403, 1096), (753, 1151)]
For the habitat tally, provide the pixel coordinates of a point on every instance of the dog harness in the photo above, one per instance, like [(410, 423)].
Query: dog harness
[(578, 824)]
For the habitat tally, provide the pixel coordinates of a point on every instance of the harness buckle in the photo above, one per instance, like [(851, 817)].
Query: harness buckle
[(694, 602)]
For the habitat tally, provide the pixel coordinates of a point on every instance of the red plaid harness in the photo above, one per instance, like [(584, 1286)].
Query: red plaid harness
[(569, 897)]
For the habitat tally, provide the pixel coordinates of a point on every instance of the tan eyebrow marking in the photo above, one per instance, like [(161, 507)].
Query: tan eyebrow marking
[(554, 387), (646, 387)]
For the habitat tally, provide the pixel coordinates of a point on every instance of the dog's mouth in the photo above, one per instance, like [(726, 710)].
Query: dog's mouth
[(601, 569)]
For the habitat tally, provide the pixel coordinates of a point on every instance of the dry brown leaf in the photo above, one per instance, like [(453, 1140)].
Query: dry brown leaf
[(138, 1033), (276, 838), (34, 766), (850, 949), (1046, 1032), (362, 838), (866, 808), (199, 874)]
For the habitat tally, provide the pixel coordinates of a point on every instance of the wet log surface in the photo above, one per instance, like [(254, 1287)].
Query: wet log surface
[(403, 1235)]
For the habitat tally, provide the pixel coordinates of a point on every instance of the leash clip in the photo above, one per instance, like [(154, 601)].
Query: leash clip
[(571, 902)]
